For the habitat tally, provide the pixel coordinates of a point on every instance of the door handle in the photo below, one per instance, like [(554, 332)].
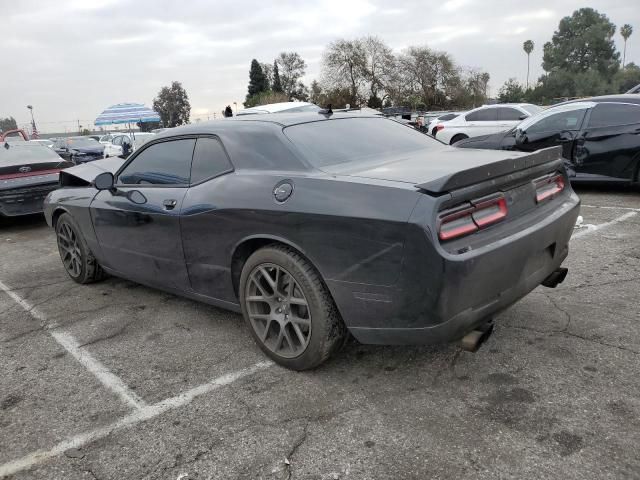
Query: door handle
[(169, 204)]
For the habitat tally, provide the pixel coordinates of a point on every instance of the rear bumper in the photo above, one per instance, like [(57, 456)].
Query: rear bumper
[(24, 200), (442, 297)]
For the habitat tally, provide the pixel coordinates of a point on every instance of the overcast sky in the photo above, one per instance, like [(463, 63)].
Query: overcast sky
[(72, 59)]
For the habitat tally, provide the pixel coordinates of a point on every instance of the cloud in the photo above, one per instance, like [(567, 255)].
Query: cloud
[(72, 59)]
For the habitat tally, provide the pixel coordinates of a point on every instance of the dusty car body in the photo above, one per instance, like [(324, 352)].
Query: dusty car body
[(28, 172), (402, 240)]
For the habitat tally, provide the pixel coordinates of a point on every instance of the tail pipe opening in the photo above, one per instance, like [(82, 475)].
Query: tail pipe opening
[(472, 341), (556, 277)]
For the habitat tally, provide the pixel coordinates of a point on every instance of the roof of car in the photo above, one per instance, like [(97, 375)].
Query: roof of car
[(628, 98), (282, 119)]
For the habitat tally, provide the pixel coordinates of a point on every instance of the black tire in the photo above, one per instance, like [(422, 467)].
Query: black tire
[(77, 259), (457, 138), (326, 331), (434, 131)]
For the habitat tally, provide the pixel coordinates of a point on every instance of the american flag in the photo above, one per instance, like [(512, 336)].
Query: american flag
[(34, 130)]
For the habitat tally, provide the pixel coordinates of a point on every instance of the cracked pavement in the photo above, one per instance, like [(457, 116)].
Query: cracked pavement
[(554, 393)]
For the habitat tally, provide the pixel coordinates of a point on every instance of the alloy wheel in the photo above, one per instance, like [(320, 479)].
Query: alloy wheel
[(70, 250), (278, 310)]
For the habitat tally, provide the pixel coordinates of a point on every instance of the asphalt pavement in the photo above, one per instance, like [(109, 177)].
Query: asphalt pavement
[(115, 380)]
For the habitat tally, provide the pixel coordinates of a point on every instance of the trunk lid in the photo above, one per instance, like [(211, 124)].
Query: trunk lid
[(450, 168), (18, 160)]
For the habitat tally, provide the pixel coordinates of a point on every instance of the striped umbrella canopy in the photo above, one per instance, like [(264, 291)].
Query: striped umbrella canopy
[(127, 113)]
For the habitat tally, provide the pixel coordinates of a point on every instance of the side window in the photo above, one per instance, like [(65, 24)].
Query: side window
[(484, 115), (611, 114), (209, 160), (511, 114), (558, 122), (165, 163)]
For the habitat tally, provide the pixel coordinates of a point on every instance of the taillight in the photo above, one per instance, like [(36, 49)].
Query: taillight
[(471, 217), (439, 127), (549, 187)]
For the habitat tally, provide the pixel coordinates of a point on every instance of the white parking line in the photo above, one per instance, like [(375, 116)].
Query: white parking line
[(610, 207), (602, 226), (140, 415), (70, 344)]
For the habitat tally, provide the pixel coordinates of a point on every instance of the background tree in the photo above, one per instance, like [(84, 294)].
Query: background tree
[(147, 126), (379, 62), (527, 46), (267, 70), (511, 92), (344, 67), (172, 104), (583, 41), (291, 68), (627, 78), (257, 81), (264, 98), (276, 85), (8, 123), (626, 32)]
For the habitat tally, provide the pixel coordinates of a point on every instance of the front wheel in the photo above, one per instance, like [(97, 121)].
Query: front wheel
[(76, 257), (288, 309)]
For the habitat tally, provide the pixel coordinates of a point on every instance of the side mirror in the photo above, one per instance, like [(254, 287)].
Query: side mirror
[(104, 181), (523, 116)]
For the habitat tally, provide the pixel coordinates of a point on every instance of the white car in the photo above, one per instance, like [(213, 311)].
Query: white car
[(484, 120), (110, 150), (288, 107), (444, 117), (139, 139)]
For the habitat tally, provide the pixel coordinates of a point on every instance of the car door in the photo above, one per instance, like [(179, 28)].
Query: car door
[(610, 143), (481, 122), (552, 129), (138, 224)]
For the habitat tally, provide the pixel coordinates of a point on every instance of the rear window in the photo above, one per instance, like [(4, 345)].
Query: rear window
[(344, 140), (26, 153)]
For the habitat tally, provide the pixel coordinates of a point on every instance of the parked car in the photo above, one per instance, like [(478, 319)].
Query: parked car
[(131, 142), (600, 137), (315, 224), (43, 141), (283, 107), (432, 126), (484, 121), (28, 172), (78, 149)]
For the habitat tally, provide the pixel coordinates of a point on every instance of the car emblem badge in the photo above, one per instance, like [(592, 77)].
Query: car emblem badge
[(24, 169)]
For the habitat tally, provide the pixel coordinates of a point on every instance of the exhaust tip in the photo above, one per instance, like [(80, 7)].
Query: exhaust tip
[(556, 277), (473, 340)]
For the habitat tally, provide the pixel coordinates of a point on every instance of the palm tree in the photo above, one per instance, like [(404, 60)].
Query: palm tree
[(528, 48), (626, 32)]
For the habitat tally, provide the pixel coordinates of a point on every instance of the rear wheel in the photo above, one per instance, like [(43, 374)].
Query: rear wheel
[(457, 138), (288, 308), (76, 257)]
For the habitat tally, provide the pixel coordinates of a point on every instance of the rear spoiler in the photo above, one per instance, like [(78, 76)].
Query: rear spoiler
[(491, 171)]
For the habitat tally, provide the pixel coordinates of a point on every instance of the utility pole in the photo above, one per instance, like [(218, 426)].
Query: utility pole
[(79, 128)]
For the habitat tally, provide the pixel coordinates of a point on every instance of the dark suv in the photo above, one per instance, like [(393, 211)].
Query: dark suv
[(600, 137)]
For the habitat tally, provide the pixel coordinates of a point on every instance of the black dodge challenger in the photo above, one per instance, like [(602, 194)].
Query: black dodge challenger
[(316, 224)]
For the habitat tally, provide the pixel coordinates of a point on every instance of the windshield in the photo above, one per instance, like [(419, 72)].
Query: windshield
[(345, 140), (82, 142)]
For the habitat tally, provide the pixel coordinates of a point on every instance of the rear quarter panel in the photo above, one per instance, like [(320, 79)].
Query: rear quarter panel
[(351, 231)]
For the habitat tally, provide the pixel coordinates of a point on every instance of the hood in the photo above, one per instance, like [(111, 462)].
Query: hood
[(87, 172), (96, 149), (443, 169)]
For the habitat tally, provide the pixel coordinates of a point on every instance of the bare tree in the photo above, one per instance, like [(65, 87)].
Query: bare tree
[(379, 65), (344, 66), (291, 68)]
